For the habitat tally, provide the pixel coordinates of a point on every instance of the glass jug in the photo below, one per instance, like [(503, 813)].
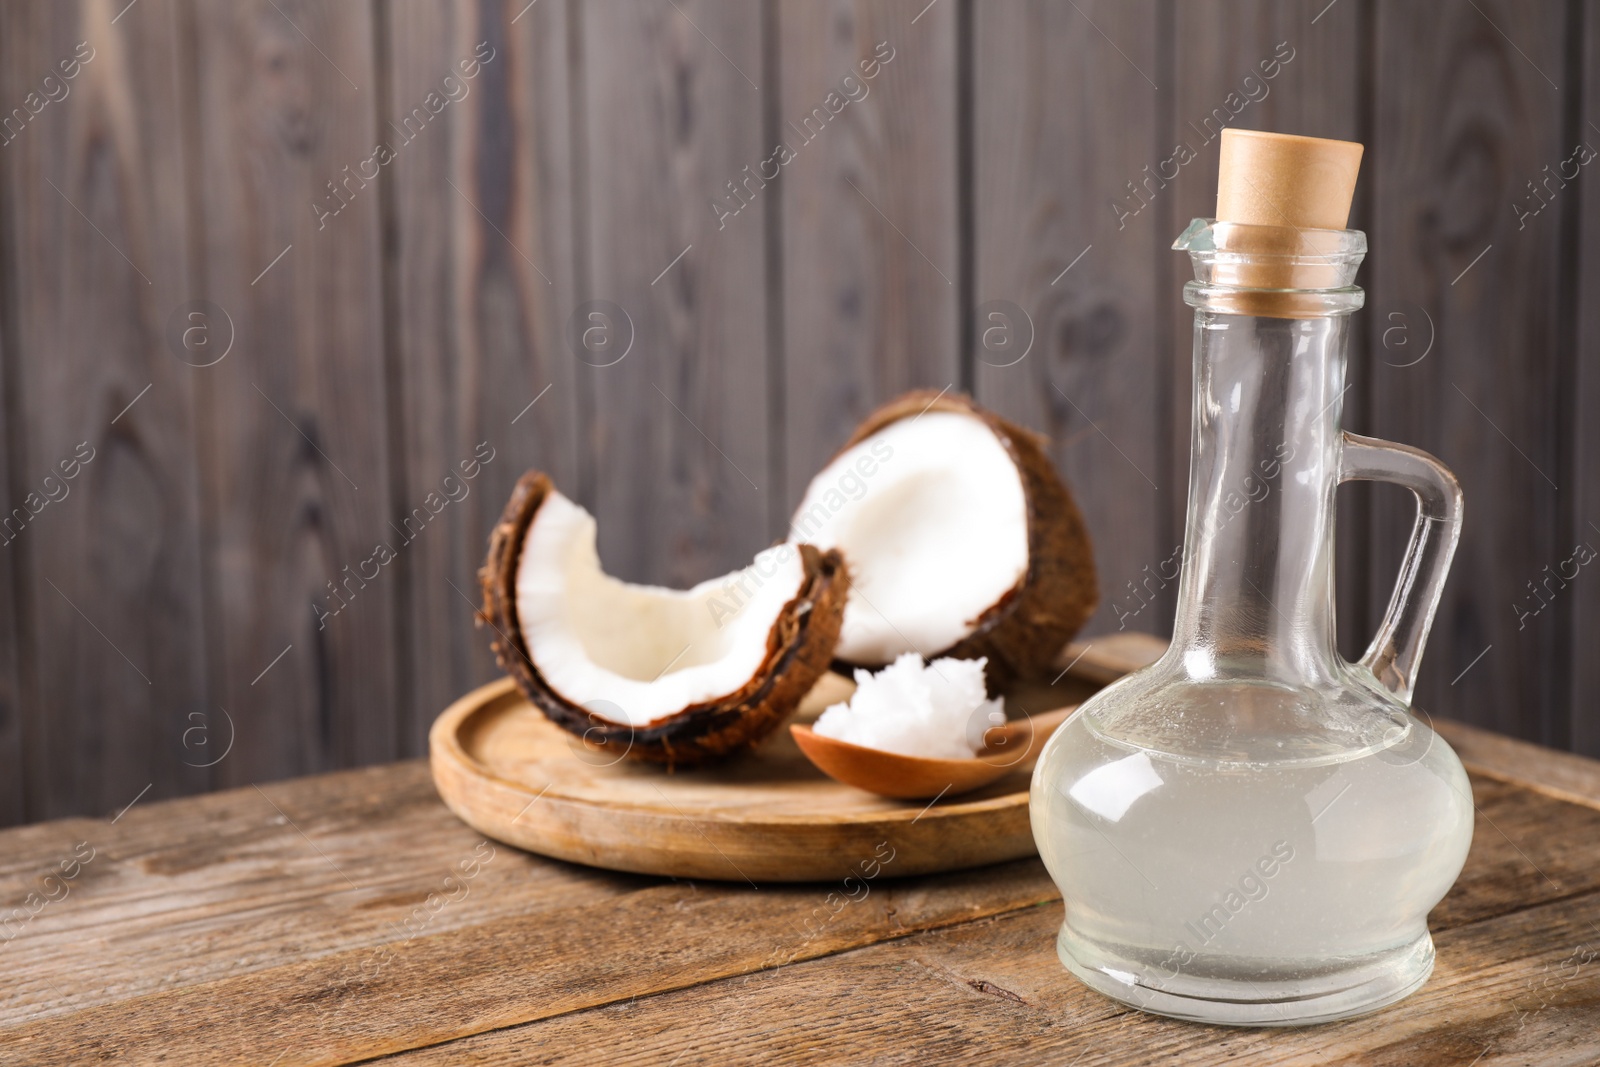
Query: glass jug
[(1252, 830)]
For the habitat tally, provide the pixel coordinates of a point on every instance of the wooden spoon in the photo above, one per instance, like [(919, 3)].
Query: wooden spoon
[(1011, 747)]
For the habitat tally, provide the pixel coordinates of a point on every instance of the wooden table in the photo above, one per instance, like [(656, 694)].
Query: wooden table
[(350, 917)]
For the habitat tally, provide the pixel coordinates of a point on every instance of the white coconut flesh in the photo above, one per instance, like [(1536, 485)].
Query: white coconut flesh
[(932, 519), (636, 654)]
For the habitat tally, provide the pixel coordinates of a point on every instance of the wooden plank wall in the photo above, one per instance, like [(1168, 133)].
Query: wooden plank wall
[(572, 255), (1082, 278)]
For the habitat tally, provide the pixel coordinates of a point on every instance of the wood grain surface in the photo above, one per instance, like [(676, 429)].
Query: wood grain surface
[(1471, 126), (1085, 361), (375, 349), (483, 202), (671, 112), (295, 469), (1585, 396), (869, 216), (109, 569), (341, 918), (13, 797)]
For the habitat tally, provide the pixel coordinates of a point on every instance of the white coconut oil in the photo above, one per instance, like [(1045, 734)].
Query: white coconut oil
[(1230, 888)]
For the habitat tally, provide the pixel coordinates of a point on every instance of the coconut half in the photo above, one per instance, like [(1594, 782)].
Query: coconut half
[(667, 675), (962, 540)]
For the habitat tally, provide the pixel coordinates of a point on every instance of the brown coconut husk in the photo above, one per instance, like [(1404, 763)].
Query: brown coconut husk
[(799, 649)]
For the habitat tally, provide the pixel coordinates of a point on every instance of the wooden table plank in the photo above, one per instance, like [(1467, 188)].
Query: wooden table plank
[(453, 982), (1558, 774), (993, 992), (1516, 860), (337, 918), (225, 885)]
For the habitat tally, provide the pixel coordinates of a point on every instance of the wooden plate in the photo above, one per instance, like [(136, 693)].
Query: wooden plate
[(765, 816)]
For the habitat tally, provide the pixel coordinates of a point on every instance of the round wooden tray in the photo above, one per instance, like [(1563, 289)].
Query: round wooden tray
[(768, 815)]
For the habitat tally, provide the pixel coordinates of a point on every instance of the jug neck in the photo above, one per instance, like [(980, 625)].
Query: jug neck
[(1257, 586), (1257, 590)]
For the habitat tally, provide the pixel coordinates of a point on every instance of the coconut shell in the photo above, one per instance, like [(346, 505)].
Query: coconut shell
[(799, 650), (1024, 632)]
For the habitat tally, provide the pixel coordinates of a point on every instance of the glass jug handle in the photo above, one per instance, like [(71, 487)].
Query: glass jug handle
[(1395, 651)]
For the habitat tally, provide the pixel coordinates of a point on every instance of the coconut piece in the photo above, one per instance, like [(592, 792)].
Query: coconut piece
[(670, 676), (933, 710), (962, 540)]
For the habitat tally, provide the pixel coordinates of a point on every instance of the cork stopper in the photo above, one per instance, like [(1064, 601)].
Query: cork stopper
[(1278, 179), (1287, 185)]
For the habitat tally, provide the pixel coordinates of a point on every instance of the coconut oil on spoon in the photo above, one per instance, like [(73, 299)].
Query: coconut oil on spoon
[(1007, 749)]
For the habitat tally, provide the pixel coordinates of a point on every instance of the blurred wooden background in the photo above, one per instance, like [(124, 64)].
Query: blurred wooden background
[(166, 617)]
